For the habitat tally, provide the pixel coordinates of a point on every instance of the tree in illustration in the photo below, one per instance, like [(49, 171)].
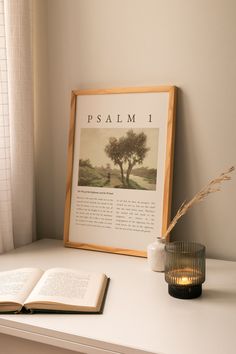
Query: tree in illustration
[(115, 150), (85, 163), (129, 150), (135, 150)]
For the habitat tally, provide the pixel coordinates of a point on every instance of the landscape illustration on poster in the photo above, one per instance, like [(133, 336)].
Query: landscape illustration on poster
[(118, 158)]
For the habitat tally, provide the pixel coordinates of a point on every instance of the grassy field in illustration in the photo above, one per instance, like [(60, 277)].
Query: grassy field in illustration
[(141, 178)]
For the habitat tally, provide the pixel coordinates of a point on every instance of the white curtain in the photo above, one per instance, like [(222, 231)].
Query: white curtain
[(17, 211), (6, 232)]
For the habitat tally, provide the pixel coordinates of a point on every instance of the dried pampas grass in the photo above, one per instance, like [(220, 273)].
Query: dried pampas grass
[(211, 187)]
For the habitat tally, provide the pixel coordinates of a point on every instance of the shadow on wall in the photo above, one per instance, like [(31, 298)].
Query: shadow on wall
[(185, 163)]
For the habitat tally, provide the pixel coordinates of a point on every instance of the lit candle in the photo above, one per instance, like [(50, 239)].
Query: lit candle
[(185, 276), (185, 269), (184, 281)]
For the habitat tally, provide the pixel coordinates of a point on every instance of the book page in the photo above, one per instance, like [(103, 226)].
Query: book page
[(69, 287), (15, 285)]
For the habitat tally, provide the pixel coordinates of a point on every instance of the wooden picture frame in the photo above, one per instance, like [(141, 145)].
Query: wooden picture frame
[(119, 171)]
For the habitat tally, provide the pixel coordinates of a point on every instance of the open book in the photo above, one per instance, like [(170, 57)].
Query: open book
[(56, 289)]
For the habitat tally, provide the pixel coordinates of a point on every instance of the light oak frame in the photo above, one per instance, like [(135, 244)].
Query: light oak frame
[(172, 91)]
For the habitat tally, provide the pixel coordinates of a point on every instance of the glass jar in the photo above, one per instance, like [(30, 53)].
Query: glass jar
[(185, 269)]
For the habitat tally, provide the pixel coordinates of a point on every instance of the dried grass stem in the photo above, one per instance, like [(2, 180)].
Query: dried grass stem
[(212, 187)]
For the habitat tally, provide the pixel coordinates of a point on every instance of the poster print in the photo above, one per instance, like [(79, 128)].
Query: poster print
[(120, 158)]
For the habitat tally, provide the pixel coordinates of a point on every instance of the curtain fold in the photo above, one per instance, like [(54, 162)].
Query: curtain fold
[(19, 51), (6, 231)]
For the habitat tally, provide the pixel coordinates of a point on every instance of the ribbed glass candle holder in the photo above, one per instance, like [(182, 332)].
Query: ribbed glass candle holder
[(185, 269)]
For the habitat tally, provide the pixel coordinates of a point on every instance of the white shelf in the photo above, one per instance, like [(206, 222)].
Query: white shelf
[(139, 315)]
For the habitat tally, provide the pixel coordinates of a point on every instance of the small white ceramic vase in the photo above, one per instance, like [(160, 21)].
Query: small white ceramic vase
[(156, 255)]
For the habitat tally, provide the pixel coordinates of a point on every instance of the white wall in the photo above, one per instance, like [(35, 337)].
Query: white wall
[(115, 43)]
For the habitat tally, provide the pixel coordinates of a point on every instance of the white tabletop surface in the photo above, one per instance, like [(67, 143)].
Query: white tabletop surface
[(138, 314)]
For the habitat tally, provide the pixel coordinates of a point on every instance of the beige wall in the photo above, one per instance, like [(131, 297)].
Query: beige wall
[(111, 43)]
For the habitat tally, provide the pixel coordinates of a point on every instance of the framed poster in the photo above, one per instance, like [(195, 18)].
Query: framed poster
[(119, 173)]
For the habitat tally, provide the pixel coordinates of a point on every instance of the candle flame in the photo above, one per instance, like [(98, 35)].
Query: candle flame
[(186, 276), (184, 281)]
